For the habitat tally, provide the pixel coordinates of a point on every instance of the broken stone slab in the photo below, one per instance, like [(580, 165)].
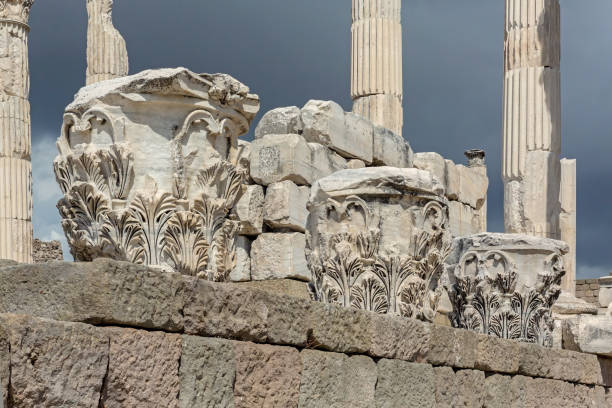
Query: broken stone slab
[(588, 334), (279, 256), (146, 365), (391, 149), (521, 271), (463, 219), (53, 363), (326, 123), (285, 206), (568, 304), (249, 210), (242, 270), (466, 184), (280, 121), (432, 162), (277, 158)]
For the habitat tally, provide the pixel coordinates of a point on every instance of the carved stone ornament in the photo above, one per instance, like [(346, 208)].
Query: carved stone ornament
[(16, 10), (377, 239), (505, 285), (148, 169)]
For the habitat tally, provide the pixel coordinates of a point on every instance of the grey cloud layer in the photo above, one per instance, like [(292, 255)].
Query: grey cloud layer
[(289, 51)]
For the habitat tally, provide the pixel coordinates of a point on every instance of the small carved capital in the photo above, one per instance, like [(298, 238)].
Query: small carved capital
[(476, 157), (16, 10)]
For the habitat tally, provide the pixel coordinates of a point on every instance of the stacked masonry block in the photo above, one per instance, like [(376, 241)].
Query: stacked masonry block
[(292, 149), (115, 334), (588, 289)]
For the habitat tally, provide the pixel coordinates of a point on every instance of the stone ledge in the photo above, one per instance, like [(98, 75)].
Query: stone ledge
[(106, 292)]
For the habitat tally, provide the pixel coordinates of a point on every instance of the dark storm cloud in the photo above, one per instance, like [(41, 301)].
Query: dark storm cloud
[(290, 51)]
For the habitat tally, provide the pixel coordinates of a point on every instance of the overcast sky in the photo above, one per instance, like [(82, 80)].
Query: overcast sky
[(290, 51)]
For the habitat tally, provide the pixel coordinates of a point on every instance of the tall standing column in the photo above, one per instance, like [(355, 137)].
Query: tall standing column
[(107, 56), (376, 74), (567, 222), (532, 117), (15, 143)]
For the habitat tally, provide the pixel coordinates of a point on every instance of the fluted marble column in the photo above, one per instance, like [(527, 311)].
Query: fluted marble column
[(15, 144), (532, 117), (376, 74), (107, 56)]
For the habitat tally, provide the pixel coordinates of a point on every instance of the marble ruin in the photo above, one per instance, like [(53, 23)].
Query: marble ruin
[(377, 240), (212, 270), (148, 166), (106, 50), (15, 143)]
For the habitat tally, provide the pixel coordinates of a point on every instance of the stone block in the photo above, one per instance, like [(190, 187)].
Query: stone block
[(563, 365), (103, 291), (266, 376), (285, 206), (53, 364), (446, 387), (432, 162), (497, 355), (540, 392), (404, 384), (605, 292), (470, 388), (499, 392), (336, 380), (466, 185), (452, 347), (463, 219), (391, 149), (143, 369), (399, 338), (225, 310), (280, 121), (589, 396), (242, 270), (277, 158), (279, 256), (43, 252), (287, 287), (249, 210), (340, 329), (207, 372), (326, 123), (589, 334)]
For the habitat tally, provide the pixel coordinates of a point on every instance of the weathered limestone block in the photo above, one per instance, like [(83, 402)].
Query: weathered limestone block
[(401, 339), (504, 285), (375, 225), (148, 167), (403, 384), (336, 380), (432, 162), (15, 139), (266, 376), (466, 184), (249, 210), (43, 252), (277, 158), (143, 369), (567, 304), (463, 219), (452, 347), (242, 270), (280, 121), (102, 291), (326, 123), (285, 206), (470, 388), (287, 287), (53, 364), (497, 355), (605, 291), (446, 389), (207, 372), (107, 56), (391, 149), (588, 334), (279, 256)]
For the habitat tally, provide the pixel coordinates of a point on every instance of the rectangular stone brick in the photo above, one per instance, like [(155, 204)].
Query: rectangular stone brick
[(446, 387), (588, 396), (399, 338), (404, 384), (207, 373), (452, 347), (499, 392), (53, 364), (470, 388), (341, 330), (497, 355), (143, 369), (336, 380), (540, 392), (266, 376)]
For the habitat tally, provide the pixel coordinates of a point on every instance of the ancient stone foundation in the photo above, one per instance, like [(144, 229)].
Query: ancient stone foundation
[(115, 334)]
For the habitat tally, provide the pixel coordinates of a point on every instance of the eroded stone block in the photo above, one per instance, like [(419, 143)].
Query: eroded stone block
[(497, 355), (285, 206), (403, 384), (279, 256), (280, 121), (432, 162), (54, 364), (207, 372), (391, 149), (242, 270), (266, 376), (470, 388), (249, 210), (446, 387), (465, 184), (143, 369)]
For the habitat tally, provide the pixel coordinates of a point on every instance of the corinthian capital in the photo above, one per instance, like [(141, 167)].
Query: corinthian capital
[(16, 10)]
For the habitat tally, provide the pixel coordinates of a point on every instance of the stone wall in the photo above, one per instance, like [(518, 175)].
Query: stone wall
[(120, 335), (588, 289), (47, 251)]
